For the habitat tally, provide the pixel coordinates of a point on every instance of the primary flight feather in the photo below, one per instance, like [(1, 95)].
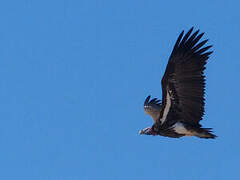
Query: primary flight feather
[(183, 88)]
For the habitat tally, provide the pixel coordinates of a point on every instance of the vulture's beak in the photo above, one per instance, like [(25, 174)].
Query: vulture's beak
[(141, 132)]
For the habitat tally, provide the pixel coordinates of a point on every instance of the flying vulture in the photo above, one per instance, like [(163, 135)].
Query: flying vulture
[(183, 88)]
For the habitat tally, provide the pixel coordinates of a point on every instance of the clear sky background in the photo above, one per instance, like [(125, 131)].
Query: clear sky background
[(73, 78)]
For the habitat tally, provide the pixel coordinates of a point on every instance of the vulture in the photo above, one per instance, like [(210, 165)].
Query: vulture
[(183, 89)]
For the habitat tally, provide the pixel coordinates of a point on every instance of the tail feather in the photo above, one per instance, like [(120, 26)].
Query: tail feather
[(205, 133)]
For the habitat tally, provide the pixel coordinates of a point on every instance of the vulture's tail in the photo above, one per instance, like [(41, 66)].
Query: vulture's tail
[(205, 133)]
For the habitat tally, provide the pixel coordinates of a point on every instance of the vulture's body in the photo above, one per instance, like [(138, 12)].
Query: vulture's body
[(183, 86)]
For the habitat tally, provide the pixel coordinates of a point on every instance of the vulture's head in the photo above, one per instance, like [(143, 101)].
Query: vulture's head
[(148, 131)]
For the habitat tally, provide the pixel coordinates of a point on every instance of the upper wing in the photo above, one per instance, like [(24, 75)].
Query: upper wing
[(152, 108), (183, 83)]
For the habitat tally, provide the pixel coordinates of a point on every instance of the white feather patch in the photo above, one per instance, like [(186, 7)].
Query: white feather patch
[(166, 109), (180, 129)]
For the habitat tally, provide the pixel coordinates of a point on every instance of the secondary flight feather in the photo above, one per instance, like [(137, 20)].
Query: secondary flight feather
[(183, 89)]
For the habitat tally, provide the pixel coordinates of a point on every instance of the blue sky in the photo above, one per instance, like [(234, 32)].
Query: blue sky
[(74, 75)]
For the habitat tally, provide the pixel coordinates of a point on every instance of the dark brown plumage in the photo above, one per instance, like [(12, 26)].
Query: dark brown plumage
[(183, 88)]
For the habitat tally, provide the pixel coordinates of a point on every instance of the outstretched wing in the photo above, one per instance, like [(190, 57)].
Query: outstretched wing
[(183, 83)]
